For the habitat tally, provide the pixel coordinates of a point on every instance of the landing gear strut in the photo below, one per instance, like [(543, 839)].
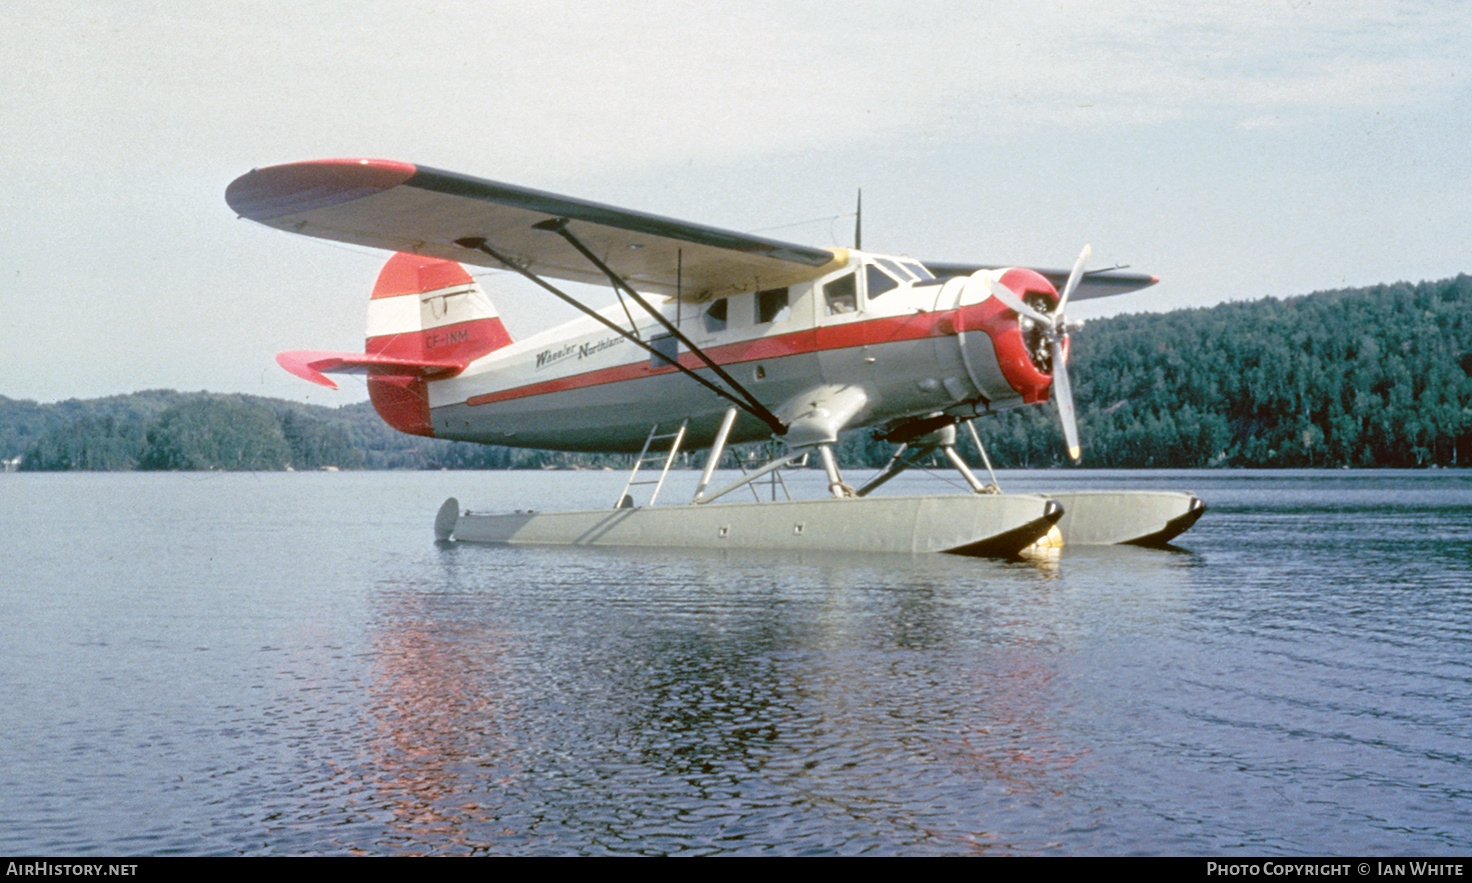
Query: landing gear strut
[(942, 439)]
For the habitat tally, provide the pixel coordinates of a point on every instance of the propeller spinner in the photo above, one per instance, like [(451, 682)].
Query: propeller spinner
[(1051, 329)]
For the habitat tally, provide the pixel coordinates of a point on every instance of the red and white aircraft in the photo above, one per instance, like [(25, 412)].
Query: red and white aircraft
[(750, 338)]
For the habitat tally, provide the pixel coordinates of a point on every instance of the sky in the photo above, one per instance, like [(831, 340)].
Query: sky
[(1237, 150)]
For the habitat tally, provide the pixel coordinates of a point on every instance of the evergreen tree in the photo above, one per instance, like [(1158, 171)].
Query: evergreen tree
[(216, 432), (1378, 376)]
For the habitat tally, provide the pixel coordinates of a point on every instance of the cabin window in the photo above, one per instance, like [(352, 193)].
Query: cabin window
[(841, 295), (878, 281), (771, 305), (666, 350), (715, 317)]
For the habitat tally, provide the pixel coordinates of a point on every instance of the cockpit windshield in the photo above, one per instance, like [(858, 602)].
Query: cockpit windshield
[(895, 270), (919, 270)]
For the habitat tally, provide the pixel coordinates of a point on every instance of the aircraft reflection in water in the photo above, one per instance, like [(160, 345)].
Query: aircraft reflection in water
[(753, 339), (718, 710)]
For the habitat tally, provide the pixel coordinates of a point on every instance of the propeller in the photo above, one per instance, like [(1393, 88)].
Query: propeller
[(1054, 329)]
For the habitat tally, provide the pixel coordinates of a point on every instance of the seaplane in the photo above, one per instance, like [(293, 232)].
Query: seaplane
[(715, 338)]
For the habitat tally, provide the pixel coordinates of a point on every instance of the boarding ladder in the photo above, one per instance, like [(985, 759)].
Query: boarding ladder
[(646, 458)]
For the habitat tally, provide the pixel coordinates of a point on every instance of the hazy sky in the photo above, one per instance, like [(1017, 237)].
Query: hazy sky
[(1235, 149)]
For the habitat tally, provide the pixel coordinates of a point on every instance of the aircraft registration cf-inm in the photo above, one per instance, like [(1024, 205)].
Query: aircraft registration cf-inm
[(717, 338)]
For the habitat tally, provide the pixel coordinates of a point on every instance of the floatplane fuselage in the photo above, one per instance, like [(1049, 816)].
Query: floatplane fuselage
[(876, 341)]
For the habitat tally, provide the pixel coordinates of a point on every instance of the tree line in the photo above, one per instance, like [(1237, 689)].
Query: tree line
[(1363, 377)]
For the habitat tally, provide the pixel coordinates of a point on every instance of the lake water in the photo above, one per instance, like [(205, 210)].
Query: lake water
[(287, 664)]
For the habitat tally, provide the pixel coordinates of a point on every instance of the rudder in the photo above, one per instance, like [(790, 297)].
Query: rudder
[(431, 309), (427, 320)]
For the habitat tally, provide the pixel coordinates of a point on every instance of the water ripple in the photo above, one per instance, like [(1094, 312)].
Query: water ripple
[(247, 665)]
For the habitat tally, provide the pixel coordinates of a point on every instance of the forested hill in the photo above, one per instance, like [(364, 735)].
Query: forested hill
[(1363, 377), (1358, 377), (167, 430)]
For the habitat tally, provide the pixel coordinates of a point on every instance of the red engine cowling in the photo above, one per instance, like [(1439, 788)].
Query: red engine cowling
[(1012, 359)]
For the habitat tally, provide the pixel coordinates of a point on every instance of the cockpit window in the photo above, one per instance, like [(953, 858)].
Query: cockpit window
[(841, 295), (879, 281)]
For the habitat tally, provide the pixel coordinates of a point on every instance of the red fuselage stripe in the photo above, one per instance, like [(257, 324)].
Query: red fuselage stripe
[(831, 337)]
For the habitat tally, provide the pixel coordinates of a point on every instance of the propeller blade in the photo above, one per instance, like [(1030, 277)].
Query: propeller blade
[(1073, 280), (1063, 397), (1013, 302)]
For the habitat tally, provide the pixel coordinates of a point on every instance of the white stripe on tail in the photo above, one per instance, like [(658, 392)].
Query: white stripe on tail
[(427, 320)]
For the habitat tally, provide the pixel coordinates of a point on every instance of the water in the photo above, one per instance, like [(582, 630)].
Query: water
[(287, 664)]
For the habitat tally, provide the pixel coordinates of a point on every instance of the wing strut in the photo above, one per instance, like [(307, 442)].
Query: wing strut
[(753, 406), (778, 427)]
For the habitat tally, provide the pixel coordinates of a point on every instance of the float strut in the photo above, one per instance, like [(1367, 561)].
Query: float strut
[(986, 461), (904, 457), (716, 449), (748, 479), (961, 467), (830, 466)]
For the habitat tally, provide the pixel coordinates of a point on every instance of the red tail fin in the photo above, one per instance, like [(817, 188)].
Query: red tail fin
[(426, 308), (427, 320)]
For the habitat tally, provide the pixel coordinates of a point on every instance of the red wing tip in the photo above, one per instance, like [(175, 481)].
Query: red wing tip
[(389, 166), (377, 163), (293, 188)]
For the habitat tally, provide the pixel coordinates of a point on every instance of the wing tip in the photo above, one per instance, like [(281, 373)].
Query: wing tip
[(271, 192)]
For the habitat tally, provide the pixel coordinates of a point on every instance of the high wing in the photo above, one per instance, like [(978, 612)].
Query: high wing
[(403, 207), (1099, 283)]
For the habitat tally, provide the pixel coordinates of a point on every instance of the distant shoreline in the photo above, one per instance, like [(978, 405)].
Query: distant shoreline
[(1358, 378)]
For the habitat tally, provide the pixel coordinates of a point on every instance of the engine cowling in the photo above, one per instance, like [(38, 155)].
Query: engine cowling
[(1007, 355)]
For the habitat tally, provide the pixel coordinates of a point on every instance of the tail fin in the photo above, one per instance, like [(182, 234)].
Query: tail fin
[(427, 320), (429, 309)]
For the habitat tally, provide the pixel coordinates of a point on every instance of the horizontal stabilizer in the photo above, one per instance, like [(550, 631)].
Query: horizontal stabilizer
[(1095, 284), (314, 366)]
